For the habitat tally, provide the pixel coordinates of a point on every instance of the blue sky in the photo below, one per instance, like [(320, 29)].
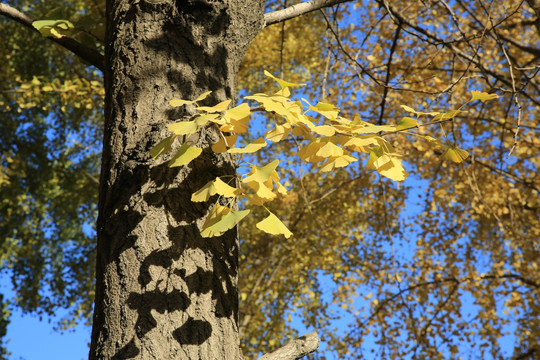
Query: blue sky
[(31, 339)]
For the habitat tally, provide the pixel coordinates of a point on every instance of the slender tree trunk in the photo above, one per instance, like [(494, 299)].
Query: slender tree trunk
[(162, 291)]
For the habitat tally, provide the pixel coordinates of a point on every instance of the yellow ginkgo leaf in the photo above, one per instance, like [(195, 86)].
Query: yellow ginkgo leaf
[(250, 148), (202, 96), (329, 149), (221, 219), (164, 146), (235, 126), (482, 96), (224, 143), (185, 155), (324, 130), (455, 154), (406, 123), (180, 102), (261, 174), (216, 108), (337, 162), (282, 83), (237, 113), (272, 225), (184, 128), (279, 132), (216, 186)]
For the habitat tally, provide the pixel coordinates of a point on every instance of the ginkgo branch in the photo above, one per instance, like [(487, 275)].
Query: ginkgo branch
[(87, 54), (296, 349), (298, 10)]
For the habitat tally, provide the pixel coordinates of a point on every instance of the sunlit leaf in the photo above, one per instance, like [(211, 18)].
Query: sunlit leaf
[(282, 83), (482, 96), (221, 219), (455, 154), (185, 155), (250, 148), (164, 146), (216, 186), (184, 127), (261, 174), (272, 225), (406, 123), (216, 108), (224, 143)]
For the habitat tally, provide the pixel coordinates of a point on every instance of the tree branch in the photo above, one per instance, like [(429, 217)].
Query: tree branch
[(297, 10), (295, 349), (87, 54)]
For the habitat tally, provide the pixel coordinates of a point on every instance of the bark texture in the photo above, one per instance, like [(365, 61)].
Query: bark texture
[(162, 291)]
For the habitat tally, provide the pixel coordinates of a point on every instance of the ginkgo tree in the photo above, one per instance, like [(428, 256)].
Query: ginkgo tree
[(402, 277)]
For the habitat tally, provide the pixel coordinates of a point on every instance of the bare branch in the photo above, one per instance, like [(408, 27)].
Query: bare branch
[(297, 10), (295, 349), (87, 54)]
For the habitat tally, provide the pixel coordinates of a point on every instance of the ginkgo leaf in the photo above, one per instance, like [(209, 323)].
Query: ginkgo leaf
[(418, 113), (278, 133), (216, 186), (482, 96), (455, 154), (205, 118), (272, 225), (185, 155), (180, 102), (216, 108), (329, 150), (250, 148), (202, 96), (406, 123), (261, 174), (408, 108), (433, 142), (324, 130), (224, 143), (237, 113), (448, 115), (236, 126), (386, 165), (360, 143), (184, 128), (329, 111), (221, 219), (373, 129), (308, 153), (337, 162), (282, 83), (164, 146)]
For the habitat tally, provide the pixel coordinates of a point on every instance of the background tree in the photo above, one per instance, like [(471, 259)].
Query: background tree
[(471, 238)]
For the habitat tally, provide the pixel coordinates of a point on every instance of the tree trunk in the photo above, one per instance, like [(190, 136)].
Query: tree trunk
[(163, 291)]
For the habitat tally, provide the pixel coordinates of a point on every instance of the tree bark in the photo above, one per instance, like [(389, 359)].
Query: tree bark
[(163, 291)]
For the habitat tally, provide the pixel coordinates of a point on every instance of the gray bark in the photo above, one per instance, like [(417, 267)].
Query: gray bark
[(162, 291)]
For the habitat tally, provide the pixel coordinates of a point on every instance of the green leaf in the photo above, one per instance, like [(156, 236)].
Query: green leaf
[(272, 225), (53, 28), (185, 155)]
